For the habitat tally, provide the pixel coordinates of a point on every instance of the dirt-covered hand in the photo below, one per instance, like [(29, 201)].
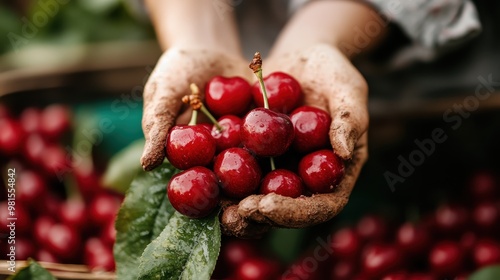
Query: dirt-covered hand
[(329, 81), (170, 80)]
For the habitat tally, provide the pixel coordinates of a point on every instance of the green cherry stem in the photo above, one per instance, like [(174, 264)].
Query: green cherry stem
[(194, 117), (256, 66), (194, 101)]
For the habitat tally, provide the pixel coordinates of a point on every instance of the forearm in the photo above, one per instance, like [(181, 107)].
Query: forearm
[(351, 26), (195, 24)]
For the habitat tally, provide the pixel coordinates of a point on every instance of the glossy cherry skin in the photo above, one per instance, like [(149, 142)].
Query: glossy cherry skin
[(233, 253), (238, 172), (343, 270), (396, 276), (194, 192), (228, 96), (11, 137), (24, 248), (33, 148), (257, 269), (372, 228), (311, 126), (41, 228), (31, 188), (421, 276), (23, 222), (63, 241), (44, 255), (283, 92), (486, 252), (30, 120), (379, 259), (55, 161), (451, 219), (321, 171), (282, 182), (190, 145), (98, 256), (486, 216), (108, 233), (266, 133), (229, 137), (103, 209), (55, 120), (412, 239), (445, 258), (73, 213), (346, 243)]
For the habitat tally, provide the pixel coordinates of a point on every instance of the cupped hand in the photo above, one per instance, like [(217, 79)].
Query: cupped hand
[(329, 81), (169, 82)]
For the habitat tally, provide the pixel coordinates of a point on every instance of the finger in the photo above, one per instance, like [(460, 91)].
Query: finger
[(249, 208), (235, 225), (307, 211)]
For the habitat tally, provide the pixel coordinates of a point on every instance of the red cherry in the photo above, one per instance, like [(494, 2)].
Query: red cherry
[(346, 243), (446, 258), (421, 276), (483, 185), (451, 219), (486, 252), (63, 241), (41, 229), (321, 171), (190, 145), (33, 148), (31, 188), (194, 192), (98, 256), (55, 120), (11, 136), (235, 252), (238, 172), (228, 96), (486, 215), (55, 161), (88, 181), (343, 270), (108, 234), (30, 120), (24, 248), (103, 209), (45, 256), (283, 92), (311, 126), (73, 213), (22, 222), (266, 133), (412, 239), (379, 259), (467, 241), (282, 182), (401, 275), (257, 269), (229, 137)]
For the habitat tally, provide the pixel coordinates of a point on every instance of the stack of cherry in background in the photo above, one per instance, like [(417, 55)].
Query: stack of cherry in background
[(63, 213), (449, 242), (262, 142)]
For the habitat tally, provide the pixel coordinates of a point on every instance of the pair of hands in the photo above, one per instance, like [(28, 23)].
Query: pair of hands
[(328, 80)]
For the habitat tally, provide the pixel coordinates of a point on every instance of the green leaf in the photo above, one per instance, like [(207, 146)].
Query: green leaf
[(487, 273), (186, 249), (32, 272), (123, 167), (143, 215)]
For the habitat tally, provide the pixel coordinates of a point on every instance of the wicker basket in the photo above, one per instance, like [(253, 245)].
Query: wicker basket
[(61, 271)]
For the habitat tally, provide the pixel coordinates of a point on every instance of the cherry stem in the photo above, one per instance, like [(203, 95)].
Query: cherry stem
[(194, 100), (256, 66), (209, 115), (194, 117), (271, 160)]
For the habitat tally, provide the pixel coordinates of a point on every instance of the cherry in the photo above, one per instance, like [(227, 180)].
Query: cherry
[(98, 256), (189, 145), (194, 192), (321, 171), (451, 219), (283, 92), (412, 239), (421, 276), (31, 188), (229, 137), (63, 241), (235, 252), (73, 213), (55, 120), (343, 270), (228, 95), (345, 243), (108, 233), (258, 269), (4, 111), (379, 259), (266, 133), (33, 148), (311, 126), (11, 136), (41, 228), (467, 241), (55, 160), (486, 252), (22, 223), (88, 181), (238, 172), (30, 120), (45, 256), (24, 248), (486, 215), (282, 182), (483, 185), (103, 209), (400, 275), (445, 258)]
